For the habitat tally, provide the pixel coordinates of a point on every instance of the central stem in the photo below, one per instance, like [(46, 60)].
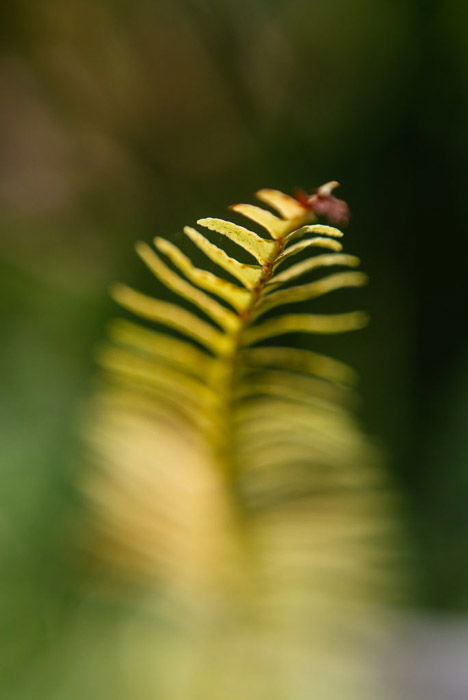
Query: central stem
[(229, 370)]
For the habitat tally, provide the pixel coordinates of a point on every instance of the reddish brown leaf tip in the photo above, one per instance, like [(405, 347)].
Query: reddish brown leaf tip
[(324, 204)]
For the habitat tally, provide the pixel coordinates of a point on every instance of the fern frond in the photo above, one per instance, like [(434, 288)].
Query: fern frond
[(234, 477)]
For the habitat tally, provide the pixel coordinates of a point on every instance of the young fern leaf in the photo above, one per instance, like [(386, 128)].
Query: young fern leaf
[(234, 476)]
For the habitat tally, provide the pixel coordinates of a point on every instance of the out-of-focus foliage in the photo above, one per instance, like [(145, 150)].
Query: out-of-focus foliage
[(121, 120)]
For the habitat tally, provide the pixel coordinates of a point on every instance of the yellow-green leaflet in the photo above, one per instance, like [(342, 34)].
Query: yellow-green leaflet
[(234, 295), (315, 228), (318, 241), (314, 263), (209, 306), (247, 274), (261, 248), (170, 315), (306, 323), (286, 206), (299, 360), (312, 290), (275, 226), (173, 351)]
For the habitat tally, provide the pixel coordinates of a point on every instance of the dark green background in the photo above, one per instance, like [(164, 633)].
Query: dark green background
[(120, 120)]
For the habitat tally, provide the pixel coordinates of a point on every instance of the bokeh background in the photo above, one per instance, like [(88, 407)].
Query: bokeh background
[(121, 120)]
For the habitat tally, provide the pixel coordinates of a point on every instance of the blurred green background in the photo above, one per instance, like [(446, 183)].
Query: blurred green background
[(121, 120)]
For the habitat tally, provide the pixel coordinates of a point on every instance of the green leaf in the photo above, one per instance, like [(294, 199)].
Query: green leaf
[(171, 382), (171, 315), (260, 248), (310, 291), (314, 263), (222, 316), (298, 389), (173, 351), (306, 323), (275, 226), (320, 242), (286, 206), (249, 275), (234, 295), (315, 228), (300, 360)]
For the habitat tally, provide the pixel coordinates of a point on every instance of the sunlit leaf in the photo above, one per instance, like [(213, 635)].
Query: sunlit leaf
[(302, 292), (300, 360), (286, 206), (261, 248), (170, 315), (310, 264), (318, 242), (247, 274), (234, 295), (275, 226), (173, 351), (307, 323), (209, 306)]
